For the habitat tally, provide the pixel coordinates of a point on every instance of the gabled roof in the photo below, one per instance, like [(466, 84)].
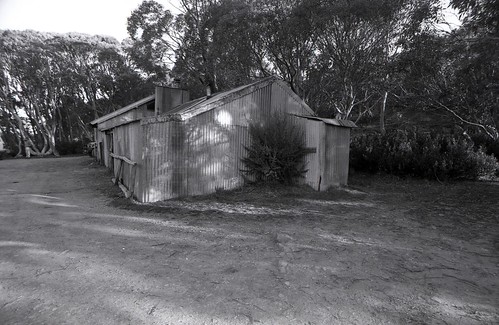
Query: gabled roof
[(330, 121), (204, 104), (123, 110)]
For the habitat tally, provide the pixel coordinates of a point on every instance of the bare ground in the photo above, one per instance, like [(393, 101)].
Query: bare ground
[(383, 251)]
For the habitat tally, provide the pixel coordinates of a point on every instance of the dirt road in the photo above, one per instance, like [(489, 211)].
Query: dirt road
[(73, 251)]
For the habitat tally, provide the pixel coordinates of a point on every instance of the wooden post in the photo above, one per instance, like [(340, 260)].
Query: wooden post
[(132, 179), (119, 179)]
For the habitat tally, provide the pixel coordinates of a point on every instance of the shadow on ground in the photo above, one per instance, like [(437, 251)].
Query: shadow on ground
[(73, 250)]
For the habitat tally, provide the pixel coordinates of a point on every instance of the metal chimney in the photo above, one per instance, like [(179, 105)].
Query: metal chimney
[(208, 92)]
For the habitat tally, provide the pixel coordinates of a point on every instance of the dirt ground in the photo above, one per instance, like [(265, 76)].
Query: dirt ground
[(382, 251)]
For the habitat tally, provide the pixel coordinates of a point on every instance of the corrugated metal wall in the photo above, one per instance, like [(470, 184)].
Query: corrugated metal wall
[(161, 159), (282, 101), (203, 154), (337, 157), (99, 140), (189, 158), (314, 140), (105, 152), (328, 166), (241, 111), (127, 142)]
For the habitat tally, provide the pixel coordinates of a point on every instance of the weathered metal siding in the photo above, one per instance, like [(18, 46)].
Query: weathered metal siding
[(191, 158), (127, 142), (128, 117), (126, 134), (105, 141), (214, 155), (314, 135), (99, 142), (337, 158), (241, 111), (203, 153), (283, 101), (168, 98), (257, 106), (163, 160), (328, 166)]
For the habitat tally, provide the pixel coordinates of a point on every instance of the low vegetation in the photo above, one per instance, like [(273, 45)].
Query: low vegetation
[(276, 152), (421, 154)]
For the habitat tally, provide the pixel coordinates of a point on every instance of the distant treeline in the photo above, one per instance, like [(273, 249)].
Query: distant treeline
[(385, 64)]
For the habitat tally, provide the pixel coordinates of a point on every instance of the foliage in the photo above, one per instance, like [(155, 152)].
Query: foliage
[(217, 42), (479, 15), (365, 60), (335, 54), (488, 145), (276, 152), (421, 154), (146, 26), (53, 85), (455, 74), (71, 147)]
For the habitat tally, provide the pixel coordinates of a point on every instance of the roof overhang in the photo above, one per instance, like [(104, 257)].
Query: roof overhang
[(122, 110), (330, 121)]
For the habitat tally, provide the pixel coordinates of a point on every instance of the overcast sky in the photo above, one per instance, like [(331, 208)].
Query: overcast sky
[(103, 17)]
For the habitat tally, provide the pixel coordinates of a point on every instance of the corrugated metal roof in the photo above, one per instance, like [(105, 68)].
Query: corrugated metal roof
[(123, 110), (330, 121), (204, 104), (185, 106)]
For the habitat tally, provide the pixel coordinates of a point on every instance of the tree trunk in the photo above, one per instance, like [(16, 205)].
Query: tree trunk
[(382, 113), (52, 138), (45, 144), (20, 145)]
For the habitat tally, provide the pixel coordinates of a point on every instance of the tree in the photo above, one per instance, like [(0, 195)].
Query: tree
[(53, 85), (358, 46), (216, 45), (29, 87), (453, 77), (479, 16), (150, 27)]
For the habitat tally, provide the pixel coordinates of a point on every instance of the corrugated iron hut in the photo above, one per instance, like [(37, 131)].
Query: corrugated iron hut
[(165, 146)]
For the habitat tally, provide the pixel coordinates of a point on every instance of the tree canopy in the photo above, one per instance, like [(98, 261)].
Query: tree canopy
[(381, 63), (53, 85)]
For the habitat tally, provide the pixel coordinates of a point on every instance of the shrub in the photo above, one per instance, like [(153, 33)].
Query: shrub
[(490, 146), (421, 155), (3, 154), (276, 152)]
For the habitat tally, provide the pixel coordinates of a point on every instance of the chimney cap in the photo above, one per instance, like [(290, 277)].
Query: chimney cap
[(208, 91), (170, 86)]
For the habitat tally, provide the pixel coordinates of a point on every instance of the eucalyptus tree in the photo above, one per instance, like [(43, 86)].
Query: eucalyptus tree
[(217, 44), (454, 77), (336, 54), (473, 85), (52, 85), (154, 40), (357, 47), (30, 92)]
